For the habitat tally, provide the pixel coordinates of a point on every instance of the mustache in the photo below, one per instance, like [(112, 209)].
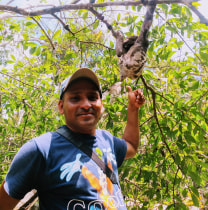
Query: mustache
[(86, 111)]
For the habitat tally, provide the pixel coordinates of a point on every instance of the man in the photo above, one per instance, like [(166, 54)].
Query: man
[(63, 175)]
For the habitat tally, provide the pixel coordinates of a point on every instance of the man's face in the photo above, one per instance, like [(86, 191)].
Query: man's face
[(81, 106)]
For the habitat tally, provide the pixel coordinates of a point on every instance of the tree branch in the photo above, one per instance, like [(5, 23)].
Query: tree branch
[(53, 47), (101, 17), (203, 155), (88, 6), (196, 11), (24, 128), (132, 182), (19, 80), (155, 113)]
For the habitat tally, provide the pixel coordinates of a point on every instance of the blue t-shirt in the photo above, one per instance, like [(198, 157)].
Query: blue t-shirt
[(64, 176)]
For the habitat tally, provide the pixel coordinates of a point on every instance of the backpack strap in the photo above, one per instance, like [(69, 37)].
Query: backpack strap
[(66, 132)]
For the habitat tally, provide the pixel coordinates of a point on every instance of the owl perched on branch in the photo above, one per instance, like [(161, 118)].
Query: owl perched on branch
[(132, 50)]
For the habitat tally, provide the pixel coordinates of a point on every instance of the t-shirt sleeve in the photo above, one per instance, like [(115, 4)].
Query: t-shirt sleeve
[(22, 176), (120, 149), (118, 145)]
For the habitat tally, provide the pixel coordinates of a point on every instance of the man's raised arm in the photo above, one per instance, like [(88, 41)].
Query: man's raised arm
[(131, 132)]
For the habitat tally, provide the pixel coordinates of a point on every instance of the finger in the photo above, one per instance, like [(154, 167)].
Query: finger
[(140, 97), (139, 93), (129, 88), (142, 100)]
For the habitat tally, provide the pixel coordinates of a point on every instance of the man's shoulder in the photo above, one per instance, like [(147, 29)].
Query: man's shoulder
[(43, 142), (43, 137)]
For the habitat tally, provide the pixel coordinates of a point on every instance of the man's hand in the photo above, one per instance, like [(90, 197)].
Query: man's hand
[(136, 97)]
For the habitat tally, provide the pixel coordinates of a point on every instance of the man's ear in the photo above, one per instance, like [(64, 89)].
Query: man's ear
[(61, 106), (102, 109)]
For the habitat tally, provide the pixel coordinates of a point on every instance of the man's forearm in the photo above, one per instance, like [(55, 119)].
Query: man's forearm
[(131, 132)]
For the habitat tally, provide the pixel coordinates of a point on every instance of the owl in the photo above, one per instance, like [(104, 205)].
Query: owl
[(132, 50)]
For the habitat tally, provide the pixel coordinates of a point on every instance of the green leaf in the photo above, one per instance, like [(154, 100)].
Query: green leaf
[(189, 138), (185, 192), (32, 50), (118, 16), (85, 15), (43, 103), (164, 8), (111, 44), (25, 46), (195, 199), (177, 159), (96, 24), (203, 56), (195, 191), (194, 86), (57, 34), (139, 8), (30, 24), (12, 56), (38, 51), (195, 176)]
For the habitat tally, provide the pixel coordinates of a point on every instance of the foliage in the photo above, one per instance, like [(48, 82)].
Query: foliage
[(171, 164)]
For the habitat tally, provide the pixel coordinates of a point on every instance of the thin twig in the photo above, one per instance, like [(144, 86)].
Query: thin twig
[(101, 17), (85, 27), (205, 156), (146, 121), (63, 24), (19, 80), (53, 47), (97, 43)]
